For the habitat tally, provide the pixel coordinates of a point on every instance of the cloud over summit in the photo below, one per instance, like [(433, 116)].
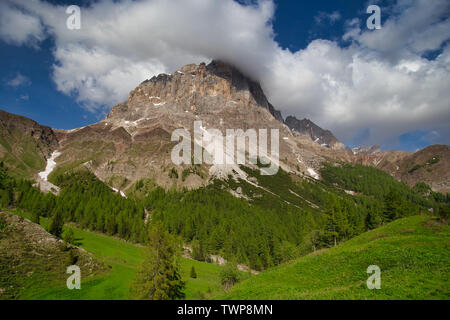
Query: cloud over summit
[(380, 80)]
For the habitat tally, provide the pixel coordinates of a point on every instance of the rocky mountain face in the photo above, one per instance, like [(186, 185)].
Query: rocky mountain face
[(134, 141), (367, 150), (307, 128), (430, 165), (217, 94), (25, 145)]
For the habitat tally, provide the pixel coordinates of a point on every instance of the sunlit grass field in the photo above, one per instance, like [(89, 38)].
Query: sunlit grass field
[(123, 260), (412, 253)]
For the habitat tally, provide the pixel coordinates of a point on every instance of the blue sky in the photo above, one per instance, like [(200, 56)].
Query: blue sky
[(29, 86)]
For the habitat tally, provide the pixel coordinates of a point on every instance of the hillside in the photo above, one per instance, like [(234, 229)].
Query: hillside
[(413, 254), (24, 144), (429, 165), (116, 262), (31, 258)]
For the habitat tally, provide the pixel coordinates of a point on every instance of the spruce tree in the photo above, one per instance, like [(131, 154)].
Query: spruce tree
[(56, 226), (159, 277), (392, 206), (35, 217)]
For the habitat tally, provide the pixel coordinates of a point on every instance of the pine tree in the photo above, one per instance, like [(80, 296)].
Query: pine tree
[(198, 251), (372, 220), (337, 226), (159, 277), (392, 206), (56, 226), (36, 217)]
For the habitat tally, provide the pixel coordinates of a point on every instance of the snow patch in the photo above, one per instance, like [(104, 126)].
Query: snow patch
[(313, 174), (119, 191), (51, 164), (131, 124)]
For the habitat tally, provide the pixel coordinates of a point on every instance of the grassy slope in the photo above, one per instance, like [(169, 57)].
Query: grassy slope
[(20, 153), (30, 259), (413, 254), (124, 259)]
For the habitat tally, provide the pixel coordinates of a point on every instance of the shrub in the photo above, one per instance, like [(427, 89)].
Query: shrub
[(229, 275), (3, 224), (72, 258), (69, 236), (173, 173)]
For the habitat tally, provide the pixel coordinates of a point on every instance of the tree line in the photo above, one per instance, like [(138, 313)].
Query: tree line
[(261, 233)]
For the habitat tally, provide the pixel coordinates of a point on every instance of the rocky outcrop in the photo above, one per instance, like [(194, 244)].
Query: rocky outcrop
[(218, 95), (367, 150), (320, 136)]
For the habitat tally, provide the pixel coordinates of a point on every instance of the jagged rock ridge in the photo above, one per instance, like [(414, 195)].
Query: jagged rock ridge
[(367, 149), (323, 137)]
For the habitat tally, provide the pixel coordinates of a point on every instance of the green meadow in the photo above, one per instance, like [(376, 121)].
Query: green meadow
[(123, 259), (412, 253)]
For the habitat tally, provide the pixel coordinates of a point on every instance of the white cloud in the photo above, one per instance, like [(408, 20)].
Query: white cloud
[(97, 77), (381, 81), (328, 17), (18, 27), (419, 26), (18, 81)]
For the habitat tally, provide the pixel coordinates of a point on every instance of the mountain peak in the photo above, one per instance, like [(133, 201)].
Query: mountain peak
[(195, 90), (317, 134), (367, 149)]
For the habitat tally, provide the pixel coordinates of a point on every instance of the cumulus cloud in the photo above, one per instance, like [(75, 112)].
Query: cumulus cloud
[(417, 26), (18, 81), (19, 27), (381, 82)]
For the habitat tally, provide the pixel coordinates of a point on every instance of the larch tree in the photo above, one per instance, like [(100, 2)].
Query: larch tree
[(159, 278)]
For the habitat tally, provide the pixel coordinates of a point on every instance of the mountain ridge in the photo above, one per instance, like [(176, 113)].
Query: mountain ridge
[(133, 141)]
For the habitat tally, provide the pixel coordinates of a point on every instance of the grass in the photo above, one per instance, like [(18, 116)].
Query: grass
[(413, 255), (28, 261), (20, 152), (123, 259)]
